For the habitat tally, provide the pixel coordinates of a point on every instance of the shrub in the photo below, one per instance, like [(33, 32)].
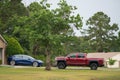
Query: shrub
[(13, 46), (111, 61)]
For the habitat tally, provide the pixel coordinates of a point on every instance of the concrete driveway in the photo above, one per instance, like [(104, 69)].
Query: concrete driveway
[(18, 66)]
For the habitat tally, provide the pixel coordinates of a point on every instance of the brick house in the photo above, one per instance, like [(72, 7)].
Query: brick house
[(3, 45)]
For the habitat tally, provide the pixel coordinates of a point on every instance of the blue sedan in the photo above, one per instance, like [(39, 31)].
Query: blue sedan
[(24, 60)]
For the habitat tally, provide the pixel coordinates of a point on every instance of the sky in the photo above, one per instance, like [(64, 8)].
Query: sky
[(87, 8)]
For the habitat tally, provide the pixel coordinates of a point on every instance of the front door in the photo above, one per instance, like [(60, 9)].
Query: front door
[(71, 60), (81, 60)]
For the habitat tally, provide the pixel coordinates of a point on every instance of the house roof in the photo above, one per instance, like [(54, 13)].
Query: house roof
[(102, 55), (3, 39), (117, 57)]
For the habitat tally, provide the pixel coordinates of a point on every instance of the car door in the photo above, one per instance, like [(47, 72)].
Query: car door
[(27, 60), (71, 59), (81, 60), (18, 59)]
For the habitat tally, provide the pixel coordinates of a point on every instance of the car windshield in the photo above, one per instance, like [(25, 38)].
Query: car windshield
[(30, 57)]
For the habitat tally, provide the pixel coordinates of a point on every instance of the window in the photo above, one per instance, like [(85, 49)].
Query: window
[(81, 56), (25, 57), (18, 56), (72, 56)]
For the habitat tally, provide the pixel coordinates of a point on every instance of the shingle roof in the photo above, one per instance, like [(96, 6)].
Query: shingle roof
[(3, 39), (102, 55)]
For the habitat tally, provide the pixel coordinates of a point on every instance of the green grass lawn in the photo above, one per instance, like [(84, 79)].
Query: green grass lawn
[(74, 73)]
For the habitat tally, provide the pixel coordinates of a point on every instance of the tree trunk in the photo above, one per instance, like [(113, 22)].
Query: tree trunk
[(35, 49), (48, 61), (100, 48)]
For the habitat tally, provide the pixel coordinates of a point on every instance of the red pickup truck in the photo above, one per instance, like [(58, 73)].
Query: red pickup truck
[(79, 59)]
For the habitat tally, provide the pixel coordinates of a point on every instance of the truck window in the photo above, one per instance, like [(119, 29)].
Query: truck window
[(81, 56), (72, 56)]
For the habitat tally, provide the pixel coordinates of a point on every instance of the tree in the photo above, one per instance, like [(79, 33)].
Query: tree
[(11, 23), (9, 8), (116, 43), (48, 28), (100, 32)]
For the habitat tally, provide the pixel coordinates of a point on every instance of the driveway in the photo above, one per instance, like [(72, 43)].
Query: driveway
[(16, 66)]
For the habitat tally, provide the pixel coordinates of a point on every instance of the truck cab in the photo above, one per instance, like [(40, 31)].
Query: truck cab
[(76, 59)]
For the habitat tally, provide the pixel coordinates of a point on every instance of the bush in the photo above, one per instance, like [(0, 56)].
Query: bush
[(111, 61), (13, 46)]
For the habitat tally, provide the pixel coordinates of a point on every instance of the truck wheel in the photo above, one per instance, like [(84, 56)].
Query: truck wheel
[(61, 65), (93, 66)]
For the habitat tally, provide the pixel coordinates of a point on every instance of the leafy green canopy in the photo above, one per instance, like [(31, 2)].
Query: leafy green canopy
[(47, 28), (100, 32), (9, 8), (42, 30)]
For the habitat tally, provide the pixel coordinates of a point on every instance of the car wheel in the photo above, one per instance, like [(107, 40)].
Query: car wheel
[(61, 65), (12, 63), (35, 64), (93, 66)]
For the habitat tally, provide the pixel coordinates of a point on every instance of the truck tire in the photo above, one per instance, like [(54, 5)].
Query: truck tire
[(61, 65), (93, 66)]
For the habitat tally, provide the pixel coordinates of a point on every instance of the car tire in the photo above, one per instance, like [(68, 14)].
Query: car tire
[(35, 64), (93, 66), (61, 65), (12, 63)]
